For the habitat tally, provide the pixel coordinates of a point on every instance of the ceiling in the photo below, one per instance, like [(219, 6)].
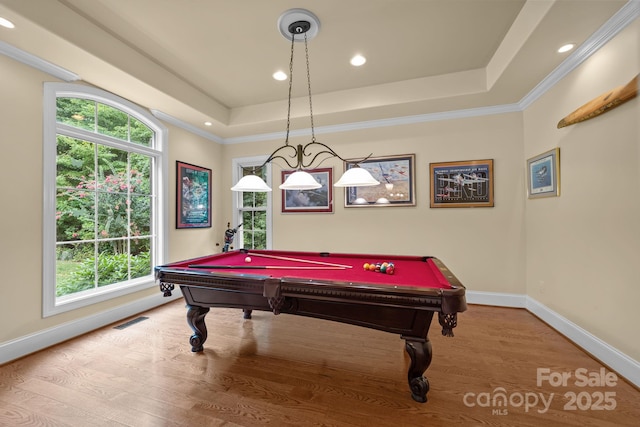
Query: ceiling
[(213, 60)]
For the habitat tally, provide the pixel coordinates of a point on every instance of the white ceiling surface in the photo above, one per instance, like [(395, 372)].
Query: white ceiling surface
[(213, 60)]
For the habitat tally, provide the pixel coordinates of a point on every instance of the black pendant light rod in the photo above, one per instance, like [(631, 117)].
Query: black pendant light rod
[(300, 152)]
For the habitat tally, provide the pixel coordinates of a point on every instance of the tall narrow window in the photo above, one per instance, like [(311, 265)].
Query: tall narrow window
[(104, 214), (253, 210)]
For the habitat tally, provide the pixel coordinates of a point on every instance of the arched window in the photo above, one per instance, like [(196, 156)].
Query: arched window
[(104, 210)]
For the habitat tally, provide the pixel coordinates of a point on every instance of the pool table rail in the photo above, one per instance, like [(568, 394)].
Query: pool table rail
[(399, 309)]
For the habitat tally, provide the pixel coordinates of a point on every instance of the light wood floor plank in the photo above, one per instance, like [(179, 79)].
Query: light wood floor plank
[(293, 371)]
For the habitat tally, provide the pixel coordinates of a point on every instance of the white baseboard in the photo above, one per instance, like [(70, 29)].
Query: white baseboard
[(28, 344), (619, 362), (622, 364), (496, 299)]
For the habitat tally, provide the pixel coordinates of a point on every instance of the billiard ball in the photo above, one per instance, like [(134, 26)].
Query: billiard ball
[(247, 259)]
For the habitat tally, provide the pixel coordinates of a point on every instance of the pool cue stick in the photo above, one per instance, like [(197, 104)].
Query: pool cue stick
[(263, 267), (284, 258)]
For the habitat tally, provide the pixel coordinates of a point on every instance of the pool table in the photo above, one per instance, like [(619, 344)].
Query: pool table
[(325, 285)]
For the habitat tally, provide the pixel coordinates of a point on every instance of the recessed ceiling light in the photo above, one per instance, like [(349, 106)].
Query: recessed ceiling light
[(358, 60), (6, 23), (566, 48), (280, 75), (208, 123)]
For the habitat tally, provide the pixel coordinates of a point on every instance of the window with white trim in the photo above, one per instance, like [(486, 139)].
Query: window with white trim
[(104, 209), (252, 210)]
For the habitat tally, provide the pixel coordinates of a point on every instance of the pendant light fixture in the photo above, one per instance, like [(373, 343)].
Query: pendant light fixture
[(300, 25)]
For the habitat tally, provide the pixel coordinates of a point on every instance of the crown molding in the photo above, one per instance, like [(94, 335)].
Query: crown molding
[(627, 14), (620, 20), (371, 124), (37, 63), (186, 126)]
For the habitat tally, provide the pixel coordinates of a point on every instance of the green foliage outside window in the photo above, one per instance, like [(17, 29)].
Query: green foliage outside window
[(254, 217), (103, 199), (82, 113)]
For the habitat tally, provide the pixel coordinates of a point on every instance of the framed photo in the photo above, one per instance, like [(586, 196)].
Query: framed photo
[(193, 196), (318, 200), (397, 187), (462, 184), (543, 174)]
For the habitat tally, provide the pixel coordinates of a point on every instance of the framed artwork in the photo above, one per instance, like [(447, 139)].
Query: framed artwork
[(543, 174), (193, 196), (462, 184), (318, 200), (397, 187)]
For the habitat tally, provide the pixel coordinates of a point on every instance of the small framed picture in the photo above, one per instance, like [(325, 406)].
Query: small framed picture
[(319, 200), (397, 187), (462, 184), (193, 196), (543, 174)]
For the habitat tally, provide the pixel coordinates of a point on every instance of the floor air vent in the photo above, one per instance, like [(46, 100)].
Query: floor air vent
[(130, 322)]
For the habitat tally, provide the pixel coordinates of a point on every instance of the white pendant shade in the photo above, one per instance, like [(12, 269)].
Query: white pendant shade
[(296, 22), (300, 180), (356, 177), (251, 183)]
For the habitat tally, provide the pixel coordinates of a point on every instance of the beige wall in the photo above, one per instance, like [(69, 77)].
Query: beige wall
[(484, 247), (583, 248), (189, 148), (21, 88), (21, 196), (576, 254)]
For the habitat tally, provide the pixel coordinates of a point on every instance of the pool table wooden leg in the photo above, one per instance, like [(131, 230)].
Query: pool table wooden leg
[(195, 319), (419, 350)]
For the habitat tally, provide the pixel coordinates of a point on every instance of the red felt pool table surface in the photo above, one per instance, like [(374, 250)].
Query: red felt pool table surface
[(412, 271), (338, 289)]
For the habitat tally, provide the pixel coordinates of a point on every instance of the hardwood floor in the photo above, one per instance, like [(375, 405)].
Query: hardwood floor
[(293, 371)]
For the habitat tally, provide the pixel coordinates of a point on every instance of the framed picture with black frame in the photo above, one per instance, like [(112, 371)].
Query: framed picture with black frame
[(193, 196)]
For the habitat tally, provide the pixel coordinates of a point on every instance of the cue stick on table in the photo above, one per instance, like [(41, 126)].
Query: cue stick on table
[(285, 258), (264, 267)]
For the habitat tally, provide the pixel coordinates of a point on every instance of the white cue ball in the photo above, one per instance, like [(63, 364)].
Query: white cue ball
[(247, 259)]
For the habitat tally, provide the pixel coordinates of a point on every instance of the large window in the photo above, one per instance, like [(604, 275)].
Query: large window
[(252, 210), (103, 211)]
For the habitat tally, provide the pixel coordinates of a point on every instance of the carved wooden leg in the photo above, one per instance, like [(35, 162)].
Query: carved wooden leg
[(195, 319), (419, 350), (247, 313)]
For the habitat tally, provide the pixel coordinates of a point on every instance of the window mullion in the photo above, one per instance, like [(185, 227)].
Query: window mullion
[(96, 219), (128, 211), (119, 152)]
